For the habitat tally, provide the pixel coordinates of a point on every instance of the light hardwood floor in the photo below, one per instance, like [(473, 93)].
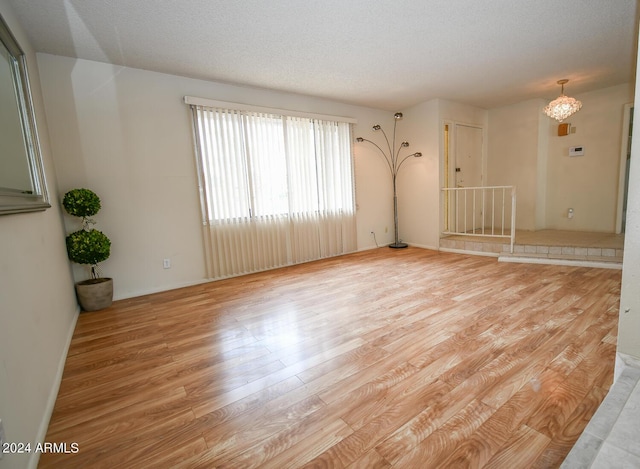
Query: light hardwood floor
[(385, 358)]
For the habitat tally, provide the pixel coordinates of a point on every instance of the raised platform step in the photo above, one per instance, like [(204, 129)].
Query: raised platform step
[(607, 262), (548, 246)]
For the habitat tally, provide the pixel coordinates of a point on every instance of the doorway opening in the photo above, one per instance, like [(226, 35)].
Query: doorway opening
[(462, 168), (625, 160)]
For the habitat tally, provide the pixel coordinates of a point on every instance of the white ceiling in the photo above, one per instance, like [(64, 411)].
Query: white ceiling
[(387, 54)]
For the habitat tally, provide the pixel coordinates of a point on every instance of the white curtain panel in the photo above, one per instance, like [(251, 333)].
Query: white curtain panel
[(275, 190)]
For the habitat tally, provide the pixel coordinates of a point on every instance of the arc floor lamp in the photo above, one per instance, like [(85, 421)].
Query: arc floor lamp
[(394, 162)]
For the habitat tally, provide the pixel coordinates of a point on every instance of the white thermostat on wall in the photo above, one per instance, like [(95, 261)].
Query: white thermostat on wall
[(576, 151)]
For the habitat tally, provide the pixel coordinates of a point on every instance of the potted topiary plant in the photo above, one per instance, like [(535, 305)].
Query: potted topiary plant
[(88, 246)]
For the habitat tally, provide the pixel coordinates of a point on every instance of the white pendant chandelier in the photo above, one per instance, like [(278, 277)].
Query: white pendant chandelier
[(563, 106)]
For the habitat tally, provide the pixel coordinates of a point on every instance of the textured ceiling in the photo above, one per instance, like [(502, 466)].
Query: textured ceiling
[(387, 54)]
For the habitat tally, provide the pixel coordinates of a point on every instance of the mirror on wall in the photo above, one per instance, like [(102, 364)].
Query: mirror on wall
[(22, 183)]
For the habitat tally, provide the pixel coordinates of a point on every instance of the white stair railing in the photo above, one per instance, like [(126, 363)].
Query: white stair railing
[(480, 211)]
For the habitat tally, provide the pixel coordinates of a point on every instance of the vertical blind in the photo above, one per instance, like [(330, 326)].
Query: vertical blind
[(275, 190)]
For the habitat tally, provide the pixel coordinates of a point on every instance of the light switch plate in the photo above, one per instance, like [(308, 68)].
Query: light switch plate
[(576, 151)]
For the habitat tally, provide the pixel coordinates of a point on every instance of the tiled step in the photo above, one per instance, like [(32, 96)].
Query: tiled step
[(494, 248), (573, 258), (578, 252), (534, 253)]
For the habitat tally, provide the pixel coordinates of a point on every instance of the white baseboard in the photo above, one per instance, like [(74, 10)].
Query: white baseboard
[(423, 246), (165, 288), (568, 262), (473, 253), (53, 394), (370, 248)]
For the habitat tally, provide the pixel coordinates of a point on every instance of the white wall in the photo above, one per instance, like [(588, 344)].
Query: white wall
[(629, 322), (589, 183), (126, 134), (418, 178), (463, 114), (37, 302), (514, 156), (525, 150)]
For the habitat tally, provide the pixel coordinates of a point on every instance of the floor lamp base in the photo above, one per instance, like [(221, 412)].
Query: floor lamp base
[(398, 245)]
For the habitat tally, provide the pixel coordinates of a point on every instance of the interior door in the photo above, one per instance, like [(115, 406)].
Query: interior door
[(468, 156), (468, 173)]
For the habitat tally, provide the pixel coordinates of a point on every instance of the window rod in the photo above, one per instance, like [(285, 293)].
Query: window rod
[(194, 101)]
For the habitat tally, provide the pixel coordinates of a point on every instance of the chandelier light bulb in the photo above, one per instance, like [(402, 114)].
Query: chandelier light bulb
[(563, 106)]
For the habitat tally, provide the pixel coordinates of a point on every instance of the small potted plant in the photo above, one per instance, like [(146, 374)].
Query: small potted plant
[(88, 246)]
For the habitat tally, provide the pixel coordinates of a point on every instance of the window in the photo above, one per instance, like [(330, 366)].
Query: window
[(275, 189)]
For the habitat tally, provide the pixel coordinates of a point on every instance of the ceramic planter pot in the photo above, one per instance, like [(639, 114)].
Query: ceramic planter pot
[(95, 294)]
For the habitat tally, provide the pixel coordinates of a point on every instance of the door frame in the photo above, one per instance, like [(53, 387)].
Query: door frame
[(625, 150), (447, 163)]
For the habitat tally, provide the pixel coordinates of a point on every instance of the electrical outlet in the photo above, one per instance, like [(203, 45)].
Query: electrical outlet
[(166, 263)]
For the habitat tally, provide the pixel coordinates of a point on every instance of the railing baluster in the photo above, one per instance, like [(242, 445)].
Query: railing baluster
[(493, 211), (465, 211), (473, 213), (462, 227), (457, 211), (503, 219), (482, 210), (513, 217)]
